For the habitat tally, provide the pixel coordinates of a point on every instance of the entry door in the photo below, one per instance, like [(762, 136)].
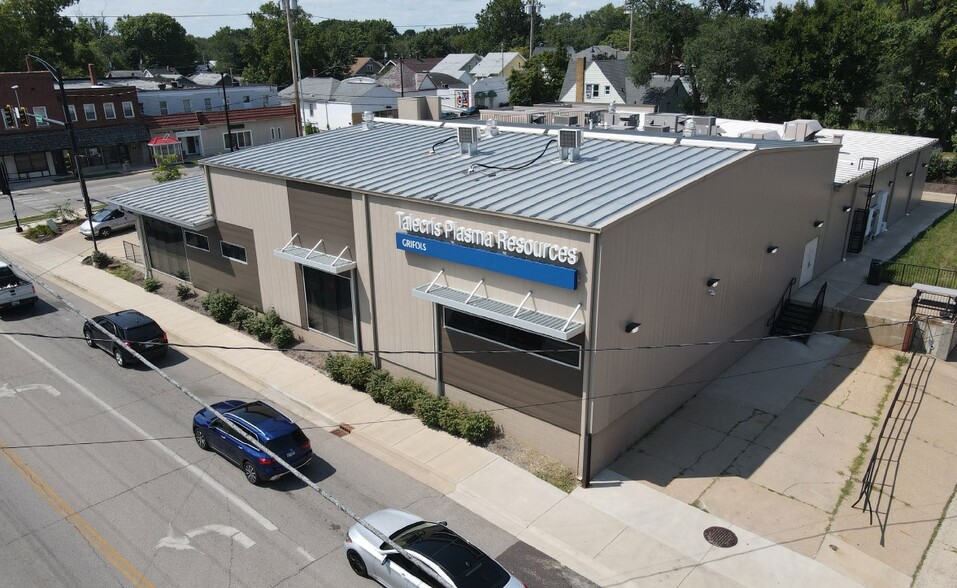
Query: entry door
[(807, 266)]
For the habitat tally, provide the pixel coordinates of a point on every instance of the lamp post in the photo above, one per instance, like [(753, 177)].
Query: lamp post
[(68, 123), (16, 93)]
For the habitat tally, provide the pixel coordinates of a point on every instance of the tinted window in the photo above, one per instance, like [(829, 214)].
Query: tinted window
[(464, 563), (145, 332), (256, 412), (294, 440), (6, 274), (102, 215)]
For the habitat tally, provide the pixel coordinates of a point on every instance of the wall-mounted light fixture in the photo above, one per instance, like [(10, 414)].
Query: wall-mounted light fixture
[(890, 183), (772, 248), (712, 284), (818, 224), (632, 327), (909, 174), (846, 209), (924, 164)]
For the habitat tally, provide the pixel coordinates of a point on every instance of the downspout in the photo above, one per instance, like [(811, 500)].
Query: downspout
[(588, 383), (372, 307)]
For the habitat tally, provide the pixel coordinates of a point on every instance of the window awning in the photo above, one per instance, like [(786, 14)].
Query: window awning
[(320, 260), (491, 94), (480, 95), (523, 318)]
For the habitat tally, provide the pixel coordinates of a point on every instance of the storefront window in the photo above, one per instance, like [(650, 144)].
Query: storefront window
[(553, 349), (329, 304)]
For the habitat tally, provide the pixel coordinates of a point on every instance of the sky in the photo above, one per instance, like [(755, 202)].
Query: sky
[(202, 18)]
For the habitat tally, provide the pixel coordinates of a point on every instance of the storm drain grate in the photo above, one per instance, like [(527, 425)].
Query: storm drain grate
[(720, 537), (342, 430)]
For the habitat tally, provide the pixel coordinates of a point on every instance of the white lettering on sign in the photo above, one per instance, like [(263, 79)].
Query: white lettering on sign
[(501, 240)]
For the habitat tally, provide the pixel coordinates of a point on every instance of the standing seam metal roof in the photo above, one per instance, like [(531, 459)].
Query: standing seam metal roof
[(612, 179), (182, 202)]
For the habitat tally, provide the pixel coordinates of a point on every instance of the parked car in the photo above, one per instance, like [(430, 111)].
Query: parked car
[(261, 422), (471, 111), (106, 221), (14, 290), (434, 545), (136, 330), (448, 114)]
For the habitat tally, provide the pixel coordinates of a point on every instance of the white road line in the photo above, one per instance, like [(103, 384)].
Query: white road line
[(203, 476), (306, 555)]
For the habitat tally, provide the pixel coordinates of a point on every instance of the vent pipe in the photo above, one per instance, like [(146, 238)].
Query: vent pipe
[(89, 68)]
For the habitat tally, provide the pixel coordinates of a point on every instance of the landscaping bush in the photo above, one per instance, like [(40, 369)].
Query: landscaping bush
[(938, 168), (335, 366), (282, 337), (151, 284), (219, 305), (453, 415), (100, 259), (476, 427), (403, 394), (262, 325), (379, 385), (430, 408), (357, 371), (183, 291), (38, 231), (240, 317)]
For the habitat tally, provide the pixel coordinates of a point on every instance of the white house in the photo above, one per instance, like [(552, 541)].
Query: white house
[(458, 65), (329, 103), (499, 63)]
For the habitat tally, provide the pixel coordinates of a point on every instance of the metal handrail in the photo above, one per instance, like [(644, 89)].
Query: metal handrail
[(785, 298), (818, 306)]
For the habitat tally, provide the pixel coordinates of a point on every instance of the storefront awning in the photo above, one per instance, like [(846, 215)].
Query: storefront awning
[(503, 312), (491, 94), (479, 95), (324, 262)]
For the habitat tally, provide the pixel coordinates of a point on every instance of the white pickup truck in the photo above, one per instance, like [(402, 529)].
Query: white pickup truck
[(14, 290)]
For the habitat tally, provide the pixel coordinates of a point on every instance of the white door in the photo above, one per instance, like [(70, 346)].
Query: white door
[(807, 266)]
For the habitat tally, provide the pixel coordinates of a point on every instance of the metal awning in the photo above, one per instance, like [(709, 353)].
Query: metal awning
[(523, 318), (491, 94), (320, 260), (480, 95)]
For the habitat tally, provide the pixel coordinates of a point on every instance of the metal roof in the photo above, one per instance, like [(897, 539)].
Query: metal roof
[(516, 172), (887, 148), (181, 202)]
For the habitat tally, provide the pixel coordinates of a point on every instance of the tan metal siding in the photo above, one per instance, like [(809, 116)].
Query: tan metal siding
[(261, 204), (211, 271), (654, 269)]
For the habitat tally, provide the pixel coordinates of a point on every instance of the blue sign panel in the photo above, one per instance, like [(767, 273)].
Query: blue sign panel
[(536, 271)]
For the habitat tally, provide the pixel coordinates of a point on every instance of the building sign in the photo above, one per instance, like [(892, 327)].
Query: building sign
[(498, 251), (535, 271), (462, 98)]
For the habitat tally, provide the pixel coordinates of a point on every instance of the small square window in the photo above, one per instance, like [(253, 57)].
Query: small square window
[(187, 106), (607, 90), (196, 241), (233, 252), (89, 111)]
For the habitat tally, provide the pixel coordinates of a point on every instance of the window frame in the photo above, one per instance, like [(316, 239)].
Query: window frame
[(187, 106), (349, 285), (222, 252), (128, 111), (88, 109), (592, 90), (207, 104), (108, 111), (164, 107), (237, 133), (186, 235), (42, 111), (71, 112)]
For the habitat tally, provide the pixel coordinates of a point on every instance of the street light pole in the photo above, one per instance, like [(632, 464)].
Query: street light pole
[(77, 165)]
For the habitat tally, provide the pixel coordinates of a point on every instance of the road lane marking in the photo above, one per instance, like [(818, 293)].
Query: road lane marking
[(306, 554), (8, 392), (197, 471), (182, 543), (95, 540)]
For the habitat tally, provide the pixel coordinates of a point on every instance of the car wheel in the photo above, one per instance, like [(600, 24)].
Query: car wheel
[(118, 356), (250, 470), (357, 564), (200, 437), (88, 336), (105, 232)]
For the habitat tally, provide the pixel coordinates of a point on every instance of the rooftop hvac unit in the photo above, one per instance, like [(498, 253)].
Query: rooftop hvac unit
[(569, 144), (802, 129), (663, 120), (656, 128), (468, 140), (570, 120), (633, 120), (704, 125)]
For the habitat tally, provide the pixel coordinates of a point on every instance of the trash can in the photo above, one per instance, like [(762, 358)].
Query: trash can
[(874, 273)]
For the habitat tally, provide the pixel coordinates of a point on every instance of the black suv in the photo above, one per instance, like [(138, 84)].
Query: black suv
[(136, 330)]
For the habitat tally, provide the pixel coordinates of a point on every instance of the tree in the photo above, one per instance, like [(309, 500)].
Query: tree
[(36, 27), (540, 80), (662, 27), (156, 39), (267, 52), (726, 62), (732, 7), (167, 169), (503, 22), (225, 47)]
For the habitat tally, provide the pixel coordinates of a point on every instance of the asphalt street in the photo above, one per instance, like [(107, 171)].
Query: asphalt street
[(102, 483)]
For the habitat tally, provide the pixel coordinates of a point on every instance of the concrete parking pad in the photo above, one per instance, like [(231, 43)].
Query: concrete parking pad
[(801, 479)]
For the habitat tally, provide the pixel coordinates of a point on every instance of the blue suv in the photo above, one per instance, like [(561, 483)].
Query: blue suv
[(261, 422)]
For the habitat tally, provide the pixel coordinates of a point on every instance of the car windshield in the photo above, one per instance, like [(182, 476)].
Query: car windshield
[(146, 332), (292, 441), (102, 215), (463, 562)]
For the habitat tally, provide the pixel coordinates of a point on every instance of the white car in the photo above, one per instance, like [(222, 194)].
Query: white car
[(106, 221), (433, 545)]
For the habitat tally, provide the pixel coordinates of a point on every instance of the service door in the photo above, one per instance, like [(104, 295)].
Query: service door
[(807, 266)]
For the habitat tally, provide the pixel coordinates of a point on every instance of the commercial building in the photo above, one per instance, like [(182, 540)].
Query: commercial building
[(564, 280)]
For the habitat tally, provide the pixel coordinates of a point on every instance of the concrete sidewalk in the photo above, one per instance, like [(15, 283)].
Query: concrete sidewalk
[(619, 532)]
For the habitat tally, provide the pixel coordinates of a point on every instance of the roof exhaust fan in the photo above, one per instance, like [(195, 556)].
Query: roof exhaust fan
[(468, 140), (569, 144)]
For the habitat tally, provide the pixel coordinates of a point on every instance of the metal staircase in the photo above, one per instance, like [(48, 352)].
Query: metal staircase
[(855, 240), (796, 319)]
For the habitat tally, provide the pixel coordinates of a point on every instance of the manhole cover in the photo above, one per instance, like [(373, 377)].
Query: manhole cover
[(720, 537)]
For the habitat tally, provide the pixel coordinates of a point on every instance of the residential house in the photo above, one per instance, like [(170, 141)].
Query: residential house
[(605, 81), (211, 78), (413, 73), (108, 125), (328, 103), (498, 64), (458, 65), (363, 67)]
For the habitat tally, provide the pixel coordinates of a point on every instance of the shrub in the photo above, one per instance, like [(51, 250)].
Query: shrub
[(37, 231), (475, 427), (403, 393), (938, 168), (450, 420), (430, 408), (219, 305), (183, 291), (241, 316), (100, 259), (335, 366), (379, 385), (357, 371), (262, 325), (182, 274), (151, 284), (282, 337)]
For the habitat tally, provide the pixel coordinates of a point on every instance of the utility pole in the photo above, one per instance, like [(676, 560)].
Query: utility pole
[(229, 132), (292, 64), (5, 189), (630, 8), (532, 6), (68, 123)]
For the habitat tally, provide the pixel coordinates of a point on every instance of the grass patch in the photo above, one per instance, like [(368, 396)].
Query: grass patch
[(557, 475), (124, 271), (935, 247), (933, 535)]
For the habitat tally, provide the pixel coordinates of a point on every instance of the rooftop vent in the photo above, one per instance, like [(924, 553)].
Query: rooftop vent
[(367, 118), (656, 128), (569, 120), (703, 125), (468, 140), (802, 129), (569, 144), (491, 127)]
